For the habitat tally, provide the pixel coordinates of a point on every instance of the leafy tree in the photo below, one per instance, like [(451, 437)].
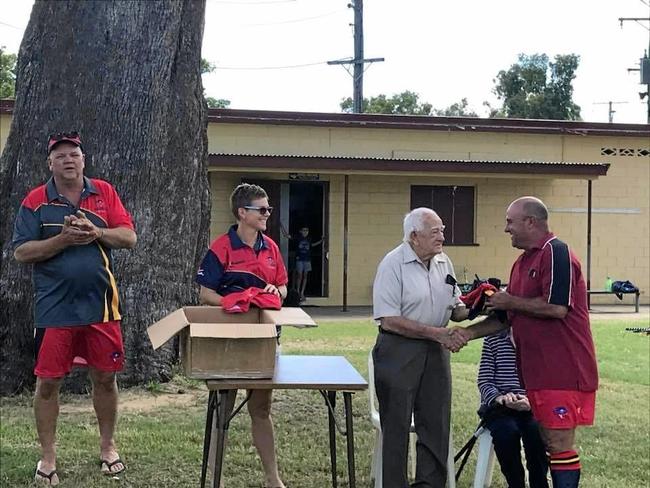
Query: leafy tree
[(405, 103), (148, 138), (7, 74), (208, 67), (217, 102), (458, 109), (534, 88)]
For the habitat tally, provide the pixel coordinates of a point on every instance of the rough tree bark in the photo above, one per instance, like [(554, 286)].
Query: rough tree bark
[(127, 75)]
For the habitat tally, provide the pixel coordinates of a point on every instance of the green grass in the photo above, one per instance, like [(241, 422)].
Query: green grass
[(161, 426)]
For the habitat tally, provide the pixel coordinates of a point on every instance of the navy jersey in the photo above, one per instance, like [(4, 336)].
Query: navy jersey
[(76, 286)]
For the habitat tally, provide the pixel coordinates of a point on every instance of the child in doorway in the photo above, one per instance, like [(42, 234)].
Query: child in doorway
[(303, 259)]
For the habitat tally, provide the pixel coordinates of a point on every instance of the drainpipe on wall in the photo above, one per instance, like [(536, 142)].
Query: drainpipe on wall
[(345, 244), (588, 242)]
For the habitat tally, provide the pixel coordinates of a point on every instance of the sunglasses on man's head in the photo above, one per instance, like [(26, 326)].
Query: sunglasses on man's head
[(59, 136), (261, 210)]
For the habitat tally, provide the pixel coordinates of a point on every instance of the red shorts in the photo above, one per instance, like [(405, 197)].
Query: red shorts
[(562, 409), (59, 348)]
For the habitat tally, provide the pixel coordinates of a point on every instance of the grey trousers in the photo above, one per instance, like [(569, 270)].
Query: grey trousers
[(412, 377)]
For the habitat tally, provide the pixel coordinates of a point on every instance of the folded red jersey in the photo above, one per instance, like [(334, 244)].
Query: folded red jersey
[(475, 299), (240, 302)]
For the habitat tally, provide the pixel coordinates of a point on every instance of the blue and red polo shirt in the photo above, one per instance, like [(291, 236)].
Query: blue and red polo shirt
[(76, 286), (553, 354), (232, 266)]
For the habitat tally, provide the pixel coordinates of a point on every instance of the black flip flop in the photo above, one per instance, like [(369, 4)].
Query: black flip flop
[(45, 476), (108, 465)]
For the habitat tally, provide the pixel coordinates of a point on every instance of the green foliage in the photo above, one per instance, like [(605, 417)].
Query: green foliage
[(536, 88), (208, 67), (458, 109), (405, 103), (160, 436), (7, 74), (217, 102)]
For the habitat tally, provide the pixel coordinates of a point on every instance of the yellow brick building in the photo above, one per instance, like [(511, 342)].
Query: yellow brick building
[(351, 179)]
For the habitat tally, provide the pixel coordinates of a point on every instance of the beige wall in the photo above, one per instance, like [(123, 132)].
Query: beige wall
[(377, 205), (621, 200), (5, 124)]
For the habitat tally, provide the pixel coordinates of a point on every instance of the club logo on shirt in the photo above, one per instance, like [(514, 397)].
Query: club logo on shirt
[(532, 273), (561, 412), (115, 356), (270, 261)]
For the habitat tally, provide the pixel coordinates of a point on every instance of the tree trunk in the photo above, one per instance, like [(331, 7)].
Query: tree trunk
[(126, 75)]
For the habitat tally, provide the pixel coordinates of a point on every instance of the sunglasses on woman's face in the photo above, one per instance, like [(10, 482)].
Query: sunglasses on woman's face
[(261, 210)]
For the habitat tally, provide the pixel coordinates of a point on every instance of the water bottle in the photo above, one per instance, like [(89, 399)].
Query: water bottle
[(608, 284)]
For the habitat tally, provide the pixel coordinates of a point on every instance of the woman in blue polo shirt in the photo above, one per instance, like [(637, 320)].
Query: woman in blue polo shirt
[(243, 258)]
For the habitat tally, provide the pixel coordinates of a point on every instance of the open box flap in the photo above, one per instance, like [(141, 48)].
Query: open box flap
[(233, 331), (167, 327), (293, 316)]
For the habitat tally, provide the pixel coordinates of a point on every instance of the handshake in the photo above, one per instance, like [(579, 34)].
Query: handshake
[(454, 338)]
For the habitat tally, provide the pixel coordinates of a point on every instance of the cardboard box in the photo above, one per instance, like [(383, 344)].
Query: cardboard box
[(219, 345)]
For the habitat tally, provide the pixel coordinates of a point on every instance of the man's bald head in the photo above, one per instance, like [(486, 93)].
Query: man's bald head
[(526, 221), (531, 207)]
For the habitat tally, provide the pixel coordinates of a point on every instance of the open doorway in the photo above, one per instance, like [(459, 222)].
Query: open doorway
[(299, 204), (307, 209)]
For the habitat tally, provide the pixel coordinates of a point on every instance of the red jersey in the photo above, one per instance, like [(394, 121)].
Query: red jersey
[(553, 354)]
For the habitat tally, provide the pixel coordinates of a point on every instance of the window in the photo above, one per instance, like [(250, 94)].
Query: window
[(454, 205)]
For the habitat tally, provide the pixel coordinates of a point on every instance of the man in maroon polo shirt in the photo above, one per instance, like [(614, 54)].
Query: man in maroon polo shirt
[(546, 302), (66, 229)]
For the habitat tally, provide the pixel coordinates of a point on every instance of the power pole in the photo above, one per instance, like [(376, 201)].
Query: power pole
[(611, 110), (644, 62), (358, 61), (357, 85)]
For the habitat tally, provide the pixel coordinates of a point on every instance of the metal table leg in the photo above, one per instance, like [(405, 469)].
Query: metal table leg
[(207, 437), (225, 408), (349, 434), (331, 404)]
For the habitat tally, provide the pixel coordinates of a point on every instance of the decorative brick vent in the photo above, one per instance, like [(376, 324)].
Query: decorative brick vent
[(624, 151)]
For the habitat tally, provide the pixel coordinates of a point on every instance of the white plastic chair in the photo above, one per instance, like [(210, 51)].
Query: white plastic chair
[(485, 459), (375, 467)]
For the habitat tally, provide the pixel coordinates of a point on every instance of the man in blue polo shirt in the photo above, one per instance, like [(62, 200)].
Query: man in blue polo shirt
[(240, 259), (66, 228)]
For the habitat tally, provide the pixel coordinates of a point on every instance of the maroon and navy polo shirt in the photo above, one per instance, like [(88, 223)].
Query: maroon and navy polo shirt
[(553, 354), (76, 286), (232, 266)]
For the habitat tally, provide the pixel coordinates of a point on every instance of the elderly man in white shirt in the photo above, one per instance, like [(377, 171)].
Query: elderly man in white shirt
[(414, 297)]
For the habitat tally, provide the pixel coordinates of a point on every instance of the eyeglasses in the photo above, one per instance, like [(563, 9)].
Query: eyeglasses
[(261, 210)]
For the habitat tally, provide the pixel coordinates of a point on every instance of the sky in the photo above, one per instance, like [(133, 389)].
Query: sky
[(272, 54)]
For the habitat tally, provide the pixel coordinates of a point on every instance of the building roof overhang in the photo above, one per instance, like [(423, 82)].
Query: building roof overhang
[(428, 123), (412, 122), (367, 165)]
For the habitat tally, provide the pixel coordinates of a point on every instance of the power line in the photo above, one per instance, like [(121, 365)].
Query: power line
[(293, 21), (9, 25), (253, 68), (267, 2)]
